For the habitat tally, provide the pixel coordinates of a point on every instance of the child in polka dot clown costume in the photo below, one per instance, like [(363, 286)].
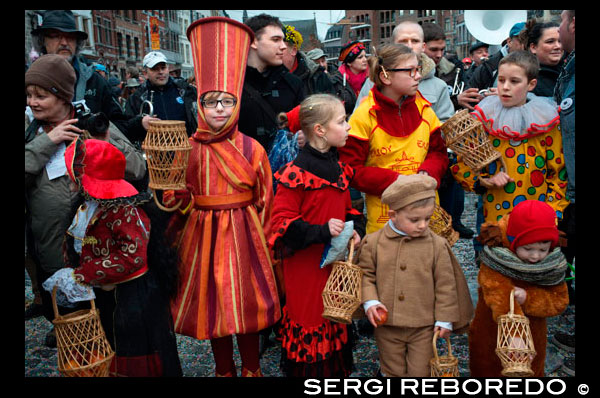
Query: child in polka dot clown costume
[(525, 129)]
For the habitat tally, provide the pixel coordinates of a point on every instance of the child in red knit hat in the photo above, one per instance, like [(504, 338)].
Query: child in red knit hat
[(520, 253)]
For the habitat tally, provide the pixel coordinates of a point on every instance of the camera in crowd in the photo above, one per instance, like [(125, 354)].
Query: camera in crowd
[(95, 123)]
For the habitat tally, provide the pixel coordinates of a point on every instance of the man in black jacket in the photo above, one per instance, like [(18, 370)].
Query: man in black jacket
[(58, 34), (269, 88), (171, 100)]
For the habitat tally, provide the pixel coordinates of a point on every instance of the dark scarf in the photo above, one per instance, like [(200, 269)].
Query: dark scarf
[(548, 272), (324, 165)]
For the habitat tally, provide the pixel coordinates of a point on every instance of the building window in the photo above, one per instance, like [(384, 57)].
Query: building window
[(99, 29), (107, 32), (128, 44), (136, 44), (119, 45)]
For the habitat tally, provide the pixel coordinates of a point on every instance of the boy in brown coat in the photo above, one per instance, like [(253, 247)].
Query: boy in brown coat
[(411, 274)]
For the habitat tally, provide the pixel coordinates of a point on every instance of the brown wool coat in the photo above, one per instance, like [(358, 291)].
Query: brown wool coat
[(494, 300), (419, 280)]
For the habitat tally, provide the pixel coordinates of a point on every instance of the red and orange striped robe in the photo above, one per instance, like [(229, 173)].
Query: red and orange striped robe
[(228, 285)]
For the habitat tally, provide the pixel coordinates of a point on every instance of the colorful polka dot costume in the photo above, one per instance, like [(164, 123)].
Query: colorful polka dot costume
[(533, 156)]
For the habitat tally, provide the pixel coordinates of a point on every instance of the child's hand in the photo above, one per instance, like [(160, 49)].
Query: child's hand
[(497, 181), (520, 295), (301, 138), (356, 238), (335, 226), (374, 314), (444, 333)]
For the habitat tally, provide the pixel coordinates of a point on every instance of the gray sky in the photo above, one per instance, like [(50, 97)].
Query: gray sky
[(323, 17)]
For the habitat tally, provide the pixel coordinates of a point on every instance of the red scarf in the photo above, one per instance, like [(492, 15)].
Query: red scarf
[(354, 80)]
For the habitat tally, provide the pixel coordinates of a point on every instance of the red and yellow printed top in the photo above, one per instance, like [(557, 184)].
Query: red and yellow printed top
[(387, 139)]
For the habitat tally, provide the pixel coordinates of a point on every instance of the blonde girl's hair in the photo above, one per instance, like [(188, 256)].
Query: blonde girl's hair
[(317, 109), (386, 57)]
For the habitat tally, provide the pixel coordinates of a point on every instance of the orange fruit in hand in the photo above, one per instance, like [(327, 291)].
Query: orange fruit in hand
[(383, 316)]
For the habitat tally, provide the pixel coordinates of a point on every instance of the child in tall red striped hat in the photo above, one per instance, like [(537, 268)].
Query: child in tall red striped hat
[(228, 286)]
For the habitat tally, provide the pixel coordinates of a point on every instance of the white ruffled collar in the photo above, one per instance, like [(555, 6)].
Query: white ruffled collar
[(538, 115)]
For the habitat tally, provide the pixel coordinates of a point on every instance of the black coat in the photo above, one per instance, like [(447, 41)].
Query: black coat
[(344, 92), (98, 94), (280, 90), (546, 80), (313, 77), (484, 76), (167, 106)]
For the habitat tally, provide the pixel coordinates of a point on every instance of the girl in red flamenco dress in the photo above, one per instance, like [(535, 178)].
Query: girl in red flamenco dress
[(311, 206)]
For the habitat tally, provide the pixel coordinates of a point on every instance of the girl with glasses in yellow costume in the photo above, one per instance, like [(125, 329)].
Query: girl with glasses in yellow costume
[(393, 131)]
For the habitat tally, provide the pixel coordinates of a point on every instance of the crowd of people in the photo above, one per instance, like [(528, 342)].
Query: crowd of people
[(241, 251)]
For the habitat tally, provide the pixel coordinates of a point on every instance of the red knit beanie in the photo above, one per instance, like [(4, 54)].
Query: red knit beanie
[(532, 221)]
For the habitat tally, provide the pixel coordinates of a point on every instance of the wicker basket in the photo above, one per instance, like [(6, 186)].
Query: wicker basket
[(82, 347), (445, 365), (514, 346), (167, 149), (342, 292), (441, 224), (465, 135)]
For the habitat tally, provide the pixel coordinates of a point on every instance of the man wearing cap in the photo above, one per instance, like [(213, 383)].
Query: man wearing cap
[(479, 53), (343, 91), (317, 55), (58, 34), (269, 87), (312, 75), (171, 100), (484, 77), (101, 69)]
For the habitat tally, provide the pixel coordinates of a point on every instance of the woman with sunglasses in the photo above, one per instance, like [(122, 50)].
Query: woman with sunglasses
[(393, 131)]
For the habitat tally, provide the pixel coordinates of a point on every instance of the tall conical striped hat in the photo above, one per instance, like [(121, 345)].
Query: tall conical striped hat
[(220, 49)]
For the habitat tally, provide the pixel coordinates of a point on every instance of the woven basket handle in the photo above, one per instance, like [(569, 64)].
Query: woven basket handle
[(351, 252), (163, 208), (435, 353), (55, 306), (512, 302)]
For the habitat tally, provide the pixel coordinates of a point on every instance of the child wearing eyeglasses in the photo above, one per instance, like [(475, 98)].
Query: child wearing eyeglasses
[(393, 131), (228, 285)]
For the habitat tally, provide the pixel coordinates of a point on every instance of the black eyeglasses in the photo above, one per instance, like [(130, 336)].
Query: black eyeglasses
[(412, 72), (225, 103)]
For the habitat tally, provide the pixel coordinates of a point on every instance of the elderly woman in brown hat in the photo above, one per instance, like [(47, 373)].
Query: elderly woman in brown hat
[(50, 125)]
